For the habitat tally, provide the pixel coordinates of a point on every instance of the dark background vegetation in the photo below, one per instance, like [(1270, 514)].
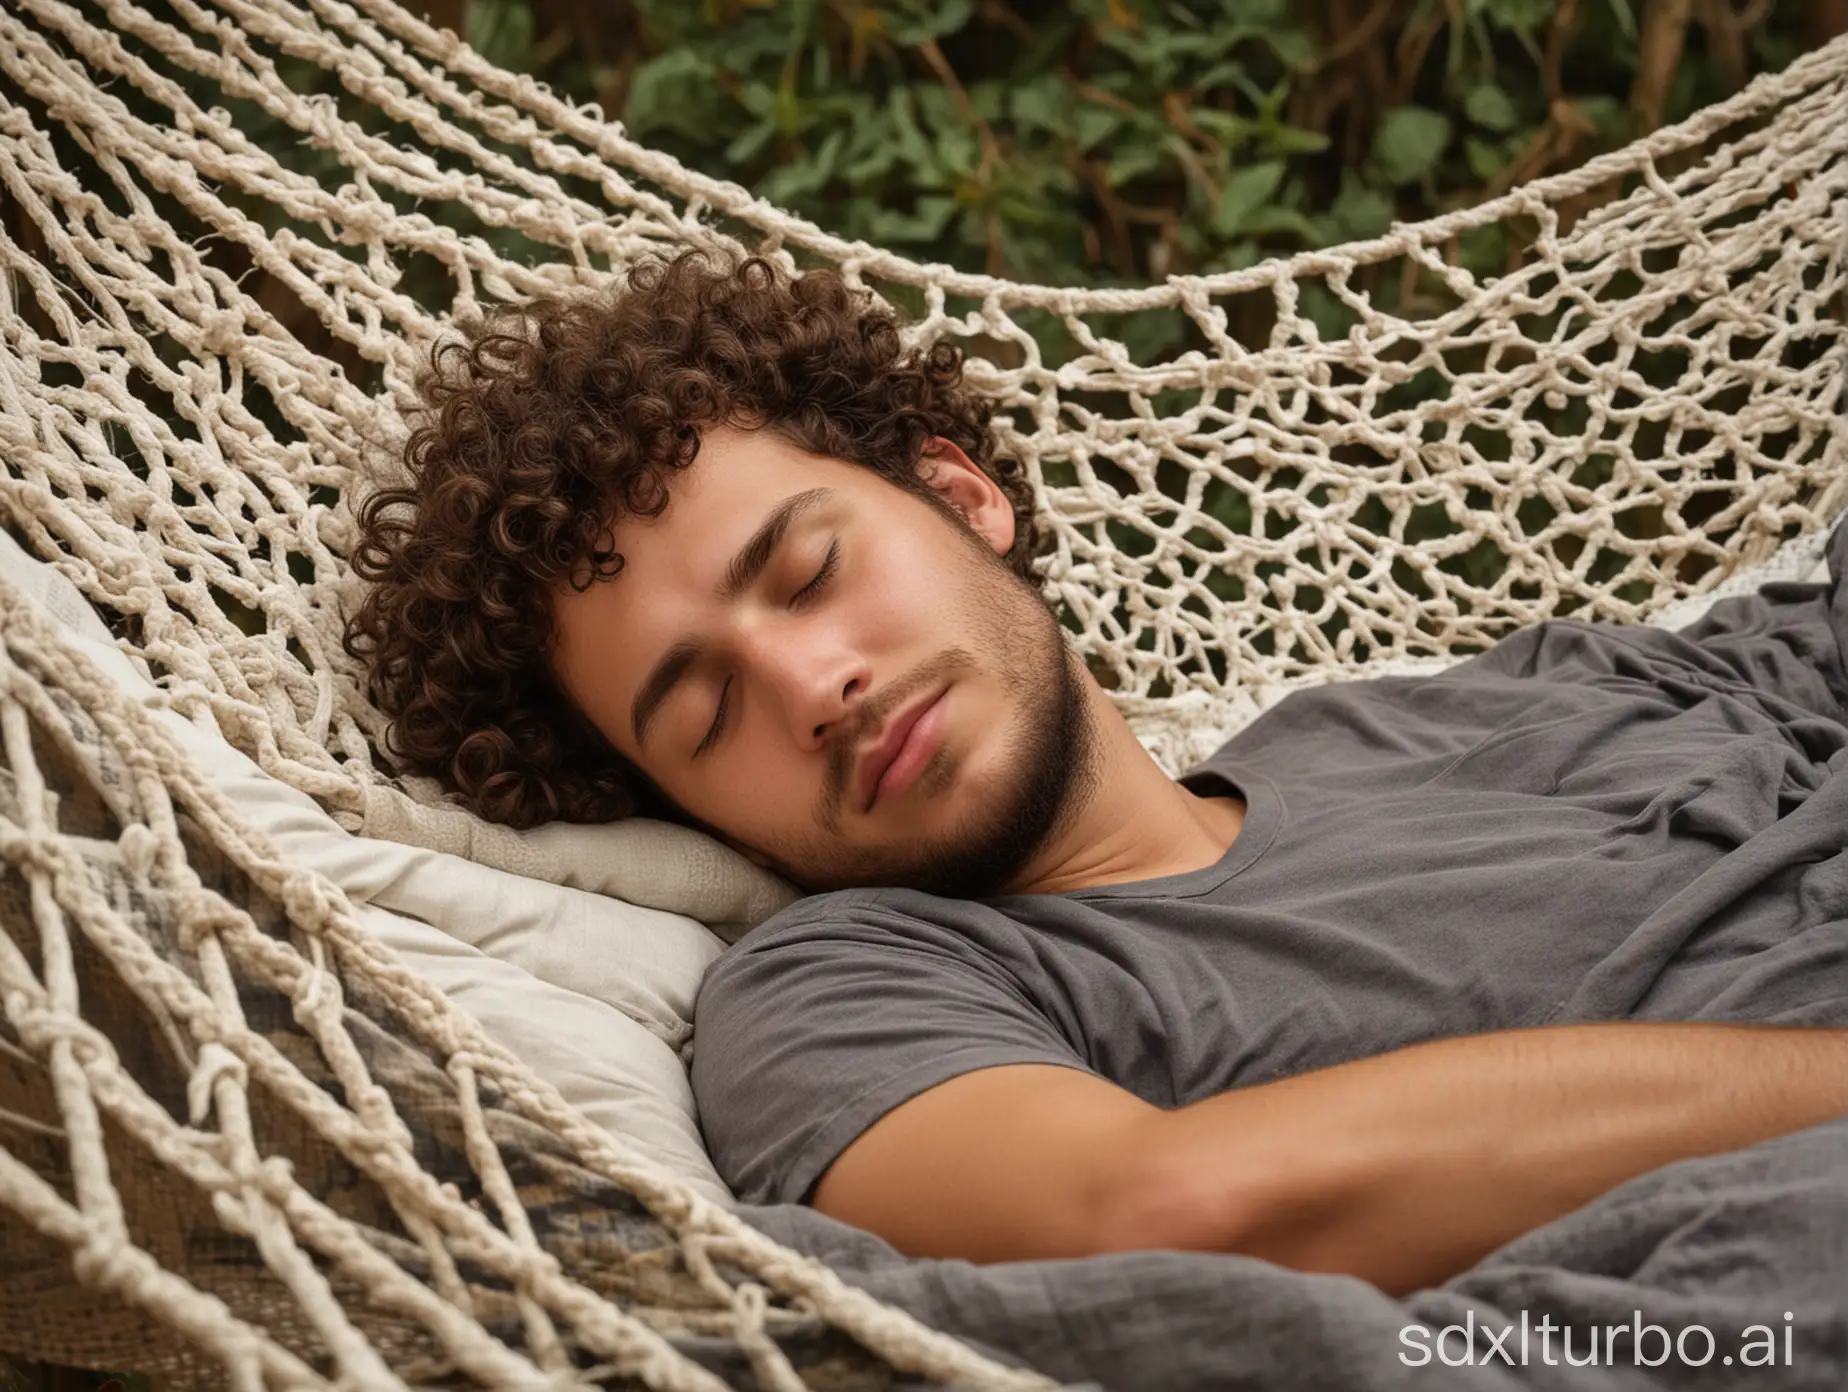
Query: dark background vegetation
[(1112, 142), (1098, 142)]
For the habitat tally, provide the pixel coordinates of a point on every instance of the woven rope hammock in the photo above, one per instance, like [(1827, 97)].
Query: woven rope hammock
[(239, 1142)]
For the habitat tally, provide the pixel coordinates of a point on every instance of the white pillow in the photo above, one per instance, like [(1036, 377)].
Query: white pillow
[(594, 994), (644, 962), (655, 864)]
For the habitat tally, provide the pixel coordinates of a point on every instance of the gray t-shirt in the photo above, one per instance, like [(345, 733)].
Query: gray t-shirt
[(1588, 822)]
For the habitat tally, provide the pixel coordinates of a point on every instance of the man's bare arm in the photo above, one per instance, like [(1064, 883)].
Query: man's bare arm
[(1402, 1169)]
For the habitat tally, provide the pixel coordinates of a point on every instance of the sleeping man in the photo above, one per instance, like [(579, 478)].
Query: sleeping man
[(1408, 968)]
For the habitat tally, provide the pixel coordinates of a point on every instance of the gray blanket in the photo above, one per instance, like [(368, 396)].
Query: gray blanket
[(1742, 1247), (1727, 1271)]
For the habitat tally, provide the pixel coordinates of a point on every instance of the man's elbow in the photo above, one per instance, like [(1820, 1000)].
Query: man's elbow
[(1318, 1212), (1259, 1200), (1162, 1199)]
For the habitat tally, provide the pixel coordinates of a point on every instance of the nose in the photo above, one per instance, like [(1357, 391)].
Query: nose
[(817, 680)]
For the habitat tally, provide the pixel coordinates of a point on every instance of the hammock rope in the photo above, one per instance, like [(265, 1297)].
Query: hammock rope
[(49, 690), (207, 355)]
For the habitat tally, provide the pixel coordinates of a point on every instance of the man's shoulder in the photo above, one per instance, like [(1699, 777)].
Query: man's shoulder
[(862, 933), (856, 944), (867, 912)]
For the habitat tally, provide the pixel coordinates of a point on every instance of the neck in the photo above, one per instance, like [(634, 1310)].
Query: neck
[(1127, 819)]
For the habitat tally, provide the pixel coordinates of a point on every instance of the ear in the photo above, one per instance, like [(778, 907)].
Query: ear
[(975, 497)]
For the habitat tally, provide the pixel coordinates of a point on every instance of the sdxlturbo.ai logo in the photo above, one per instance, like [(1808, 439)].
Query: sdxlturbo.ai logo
[(1640, 1345)]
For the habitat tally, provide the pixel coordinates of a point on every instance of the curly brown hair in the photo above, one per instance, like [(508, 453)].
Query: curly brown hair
[(546, 422)]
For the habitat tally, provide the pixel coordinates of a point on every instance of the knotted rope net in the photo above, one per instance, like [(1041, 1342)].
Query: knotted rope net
[(1355, 459)]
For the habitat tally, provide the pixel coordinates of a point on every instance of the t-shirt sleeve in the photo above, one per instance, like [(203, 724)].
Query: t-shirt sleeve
[(819, 1023)]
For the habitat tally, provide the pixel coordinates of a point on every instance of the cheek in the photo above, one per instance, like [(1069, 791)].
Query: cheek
[(907, 591)]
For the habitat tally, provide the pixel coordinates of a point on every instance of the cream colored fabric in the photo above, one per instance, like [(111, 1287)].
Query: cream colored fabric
[(594, 995), (654, 864)]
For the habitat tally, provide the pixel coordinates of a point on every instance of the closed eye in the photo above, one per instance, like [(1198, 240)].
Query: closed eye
[(822, 576), (718, 720)]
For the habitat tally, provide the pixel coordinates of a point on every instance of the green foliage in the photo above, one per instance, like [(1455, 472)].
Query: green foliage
[(1075, 142), (1114, 141), (1408, 143), (501, 31)]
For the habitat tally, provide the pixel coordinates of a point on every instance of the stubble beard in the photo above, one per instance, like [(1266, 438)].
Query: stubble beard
[(1047, 772)]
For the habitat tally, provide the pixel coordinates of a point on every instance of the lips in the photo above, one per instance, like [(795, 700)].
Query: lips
[(883, 751)]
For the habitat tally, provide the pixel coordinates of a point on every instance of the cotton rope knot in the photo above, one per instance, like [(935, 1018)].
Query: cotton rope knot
[(752, 1306), (307, 898), (202, 914), (257, 666), (32, 850), (314, 987), (220, 332), (270, 1175), (110, 1262), (215, 1062), (140, 848), (43, 1030)]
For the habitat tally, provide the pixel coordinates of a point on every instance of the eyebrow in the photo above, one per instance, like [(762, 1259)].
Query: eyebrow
[(740, 575)]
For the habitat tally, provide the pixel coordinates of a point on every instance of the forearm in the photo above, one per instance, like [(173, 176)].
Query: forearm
[(1406, 1168)]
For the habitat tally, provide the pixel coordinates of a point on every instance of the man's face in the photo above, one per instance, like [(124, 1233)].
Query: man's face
[(831, 671)]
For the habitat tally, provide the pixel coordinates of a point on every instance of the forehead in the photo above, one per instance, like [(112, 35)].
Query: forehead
[(716, 503)]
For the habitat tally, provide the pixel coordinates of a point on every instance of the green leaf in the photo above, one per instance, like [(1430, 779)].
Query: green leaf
[(936, 107), (1235, 258), (925, 224), (910, 140), (1294, 47), (787, 111), (1607, 113), (501, 31), (1408, 144), (1151, 335), (1525, 15), (1132, 163), (679, 92), (1228, 127), (1484, 250), (801, 20), (1484, 156), (1358, 212), (1268, 221), (988, 100), (873, 151), (909, 25), (1491, 108), (1293, 140), (1244, 194), (1227, 70), (1094, 123), (750, 142), (958, 151), (1044, 103), (801, 178)]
